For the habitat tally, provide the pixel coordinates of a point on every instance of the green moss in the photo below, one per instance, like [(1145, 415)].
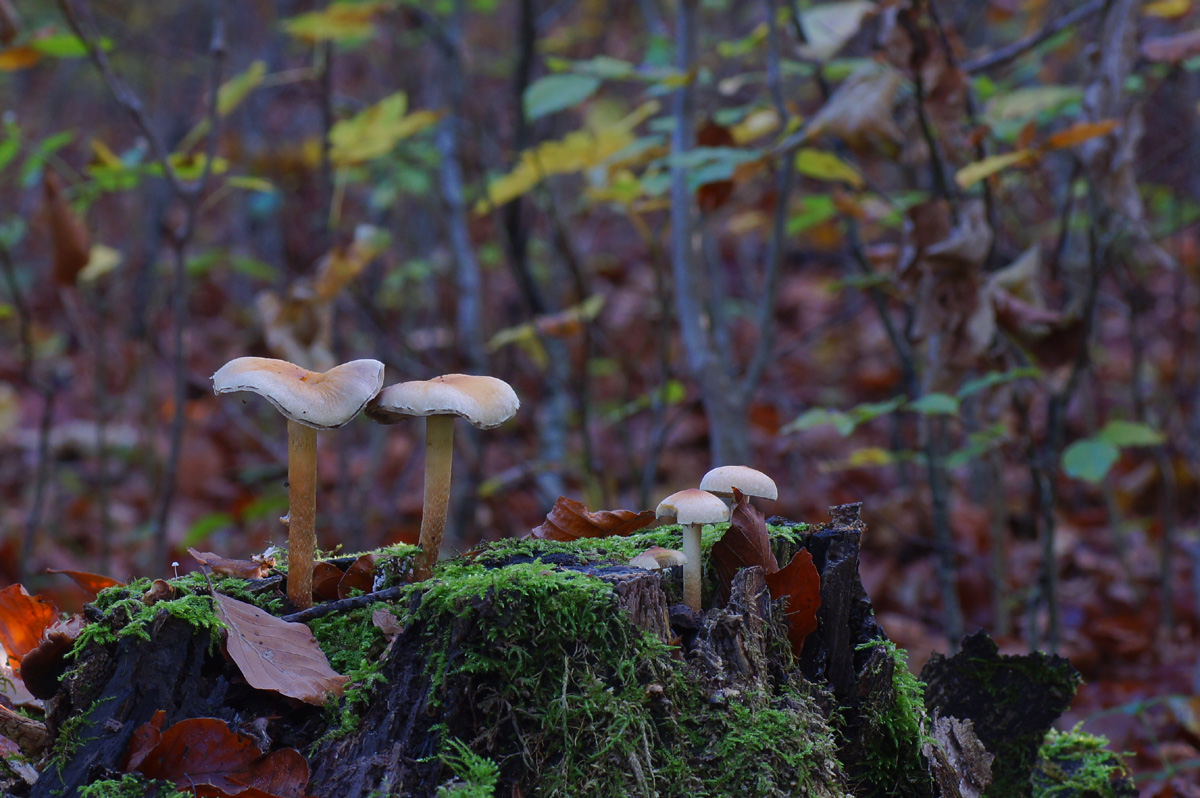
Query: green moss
[(352, 644), (125, 615), (131, 786), (893, 731), (69, 737), (475, 776), (1074, 764)]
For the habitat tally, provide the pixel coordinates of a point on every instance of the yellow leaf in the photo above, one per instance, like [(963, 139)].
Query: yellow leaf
[(971, 174), (1079, 133), (821, 165), (101, 261), (757, 123), (582, 149), (249, 183), (338, 22), (1021, 104), (17, 58), (236, 89), (105, 155), (375, 131), (1167, 9), (343, 264)]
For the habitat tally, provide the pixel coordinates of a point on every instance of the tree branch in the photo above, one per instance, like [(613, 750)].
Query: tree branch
[(1018, 48)]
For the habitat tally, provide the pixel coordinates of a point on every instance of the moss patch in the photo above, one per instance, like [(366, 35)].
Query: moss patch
[(1075, 764), (131, 786)]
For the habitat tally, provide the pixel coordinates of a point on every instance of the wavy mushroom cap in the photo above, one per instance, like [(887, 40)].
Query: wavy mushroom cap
[(693, 506), (723, 479), (486, 402), (321, 400)]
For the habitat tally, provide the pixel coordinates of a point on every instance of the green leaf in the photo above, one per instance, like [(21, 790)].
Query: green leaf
[(554, 93), (994, 378), (250, 183), (820, 416), (11, 144), (935, 404), (603, 66), (821, 165), (204, 526), (66, 45), (873, 410), (1130, 433), (1089, 459), (31, 170)]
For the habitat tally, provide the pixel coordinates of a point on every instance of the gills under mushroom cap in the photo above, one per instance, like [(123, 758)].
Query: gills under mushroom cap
[(321, 400), (486, 402), (693, 506), (723, 479)]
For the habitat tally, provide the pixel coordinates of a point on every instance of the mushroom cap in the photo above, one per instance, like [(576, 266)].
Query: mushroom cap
[(656, 558), (723, 479), (693, 506), (486, 402), (321, 400)]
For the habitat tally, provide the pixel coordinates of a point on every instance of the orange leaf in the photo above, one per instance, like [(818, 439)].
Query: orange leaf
[(359, 576), (800, 582), (92, 583), (205, 753), (23, 618), (570, 520), (72, 245), (744, 544), (16, 58), (276, 655), (239, 569), (1079, 133)]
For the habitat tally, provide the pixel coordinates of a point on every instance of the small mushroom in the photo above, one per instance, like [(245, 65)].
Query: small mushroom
[(691, 508), (657, 558), (485, 402), (310, 400), (722, 481)]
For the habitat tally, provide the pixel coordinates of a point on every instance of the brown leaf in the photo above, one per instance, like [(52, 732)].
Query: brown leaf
[(239, 569), (23, 618), (205, 754), (72, 247), (570, 520), (386, 622), (801, 584), (92, 583), (359, 576), (326, 577), (45, 664), (744, 544), (276, 655), (711, 196)]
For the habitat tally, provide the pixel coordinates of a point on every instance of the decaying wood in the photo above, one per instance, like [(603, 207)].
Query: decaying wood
[(731, 644), (30, 735), (961, 766)]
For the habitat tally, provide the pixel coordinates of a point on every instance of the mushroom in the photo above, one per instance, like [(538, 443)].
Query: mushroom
[(657, 558), (723, 480), (310, 400), (486, 402), (692, 508)]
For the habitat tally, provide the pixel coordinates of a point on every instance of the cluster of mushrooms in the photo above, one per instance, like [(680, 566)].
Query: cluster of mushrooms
[(312, 400)]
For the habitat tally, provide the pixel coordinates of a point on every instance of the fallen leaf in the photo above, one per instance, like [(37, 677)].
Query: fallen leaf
[(92, 583), (570, 520), (800, 583), (359, 576), (276, 655), (72, 246), (744, 544), (386, 622), (205, 752), (239, 569), (44, 665), (326, 577), (23, 619), (13, 689)]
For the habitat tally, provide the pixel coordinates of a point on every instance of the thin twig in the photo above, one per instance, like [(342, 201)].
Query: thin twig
[(1018, 48), (346, 604)]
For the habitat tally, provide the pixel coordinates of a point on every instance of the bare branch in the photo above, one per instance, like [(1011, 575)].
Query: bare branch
[(1018, 48)]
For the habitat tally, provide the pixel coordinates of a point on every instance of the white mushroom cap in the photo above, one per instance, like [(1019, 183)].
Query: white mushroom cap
[(321, 400), (486, 402), (656, 558), (693, 506), (723, 479)]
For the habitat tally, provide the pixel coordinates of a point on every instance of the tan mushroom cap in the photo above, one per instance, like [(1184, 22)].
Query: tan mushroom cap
[(321, 400), (723, 479), (693, 506), (486, 402)]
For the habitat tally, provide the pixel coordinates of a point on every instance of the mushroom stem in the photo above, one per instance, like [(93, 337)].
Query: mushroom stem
[(692, 567), (439, 451), (302, 512)]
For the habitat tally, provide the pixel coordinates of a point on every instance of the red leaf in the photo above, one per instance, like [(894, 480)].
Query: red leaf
[(207, 754), (359, 576), (746, 543), (570, 520), (92, 583), (801, 584), (23, 618)]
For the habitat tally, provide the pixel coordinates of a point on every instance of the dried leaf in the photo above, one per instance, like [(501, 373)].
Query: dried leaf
[(92, 583), (238, 569), (326, 577), (1079, 133), (359, 576), (570, 520), (801, 584), (23, 619), (860, 111), (276, 655), (42, 667), (386, 622), (72, 246), (206, 753), (744, 544)]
